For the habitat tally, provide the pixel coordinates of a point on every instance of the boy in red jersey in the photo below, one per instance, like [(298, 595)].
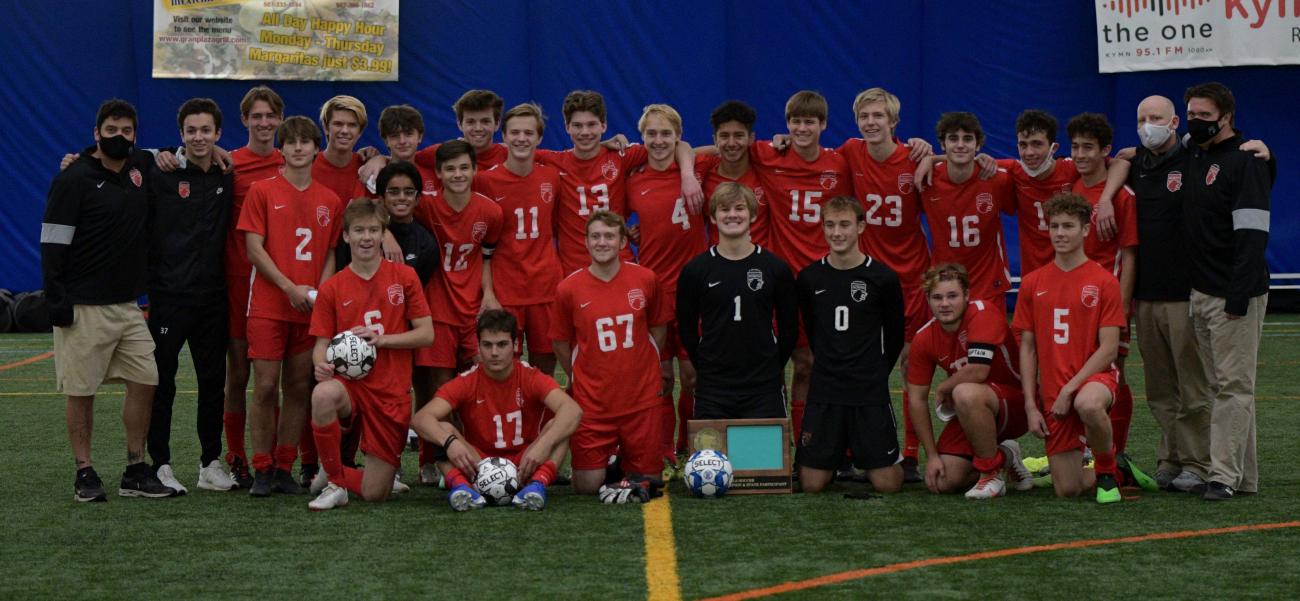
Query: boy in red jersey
[(291, 224), (608, 324), (478, 116), (962, 210), (670, 237), (733, 134), (1069, 316), (342, 118), (509, 409), (594, 176), (971, 342), (261, 112), (1090, 138), (467, 225), (526, 268), (383, 303), (1037, 176)]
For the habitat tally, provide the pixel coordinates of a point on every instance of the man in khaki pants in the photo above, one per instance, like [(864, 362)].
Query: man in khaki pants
[(93, 264), (1227, 195)]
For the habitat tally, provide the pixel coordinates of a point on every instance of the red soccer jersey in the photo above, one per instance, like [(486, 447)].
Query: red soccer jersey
[(982, 336), (615, 361), (249, 167), (893, 206), (598, 183), (706, 167), (467, 237), (299, 230), (1066, 311), (387, 302), (1027, 205), (967, 229), (493, 156), (500, 418), (670, 235), (798, 190), (343, 180), (525, 266), (1106, 253)]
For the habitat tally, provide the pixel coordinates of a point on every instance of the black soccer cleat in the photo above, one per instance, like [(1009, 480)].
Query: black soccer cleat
[(910, 473), (88, 488), (282, 482), (240, 474), (1218, 491), (261, 484), (139, 480), (307, 473)]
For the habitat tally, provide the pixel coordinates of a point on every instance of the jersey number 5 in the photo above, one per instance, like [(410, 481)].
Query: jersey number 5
[(1060, 329)]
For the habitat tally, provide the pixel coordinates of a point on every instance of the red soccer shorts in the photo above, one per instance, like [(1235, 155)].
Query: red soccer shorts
[(637, 438), (533, 320), (1011, 420), (453, 347), (237, 288), (384, 421), (277, 340), (1068, 434)]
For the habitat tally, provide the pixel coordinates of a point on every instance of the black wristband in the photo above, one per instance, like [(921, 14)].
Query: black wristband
[(446, 443)]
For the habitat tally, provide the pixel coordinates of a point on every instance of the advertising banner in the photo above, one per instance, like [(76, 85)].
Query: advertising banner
[(1154, 35)]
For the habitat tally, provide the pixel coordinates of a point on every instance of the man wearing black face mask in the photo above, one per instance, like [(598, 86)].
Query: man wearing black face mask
[(1227, 217), (93, 259)]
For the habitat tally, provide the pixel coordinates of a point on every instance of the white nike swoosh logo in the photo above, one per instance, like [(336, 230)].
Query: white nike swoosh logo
[(101, 185), (643, 192), (498, 198), (712, 284), (279, 206), (220, 189), (891, 451), (584, 305), (778, 170), (819, 291), (346, 303), (1040, 293)]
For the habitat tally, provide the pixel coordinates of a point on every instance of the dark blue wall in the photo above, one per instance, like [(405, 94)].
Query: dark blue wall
[(61, 59)]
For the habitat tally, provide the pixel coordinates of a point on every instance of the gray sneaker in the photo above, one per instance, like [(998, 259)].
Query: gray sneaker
[(1164, 476), (1187, 482)]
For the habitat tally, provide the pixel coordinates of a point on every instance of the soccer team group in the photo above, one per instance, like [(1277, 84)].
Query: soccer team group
[(454, 259)]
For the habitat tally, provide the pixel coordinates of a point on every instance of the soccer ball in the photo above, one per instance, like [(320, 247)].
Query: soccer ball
[(497, 480), (708, 474), (350, 356)]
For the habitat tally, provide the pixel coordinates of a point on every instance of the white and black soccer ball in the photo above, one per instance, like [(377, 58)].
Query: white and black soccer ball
[(708, 474), (497, 480), (350, 356)]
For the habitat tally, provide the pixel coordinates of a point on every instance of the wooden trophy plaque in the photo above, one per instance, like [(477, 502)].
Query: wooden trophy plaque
[(759, 451)]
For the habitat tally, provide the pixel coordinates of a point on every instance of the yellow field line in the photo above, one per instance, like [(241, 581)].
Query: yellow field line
[(660, 551)]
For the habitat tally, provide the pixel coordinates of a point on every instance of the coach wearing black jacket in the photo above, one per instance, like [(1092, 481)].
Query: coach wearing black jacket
[(188, 219)]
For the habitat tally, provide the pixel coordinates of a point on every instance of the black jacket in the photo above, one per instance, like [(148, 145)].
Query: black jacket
[(1163, 271), (189, 215)]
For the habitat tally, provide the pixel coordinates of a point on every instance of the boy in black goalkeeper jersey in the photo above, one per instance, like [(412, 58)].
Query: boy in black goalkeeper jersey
[(852, 308), (727, 301)]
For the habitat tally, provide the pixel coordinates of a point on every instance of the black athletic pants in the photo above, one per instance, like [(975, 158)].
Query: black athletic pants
[(204, 328)]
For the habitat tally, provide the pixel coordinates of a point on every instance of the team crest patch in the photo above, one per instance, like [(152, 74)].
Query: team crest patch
[(1210, 175), (754, 279), (430, 186), (395, 295), (546, 193), (962, 338), (519, 397), (323, 215), (829, 179), (1065, 188), (905, 183), (1091, 294), (1174, 182), (609, 170), (806, 438), (183, 189), (479, 231), (636, 299), (858, 291), (136, 178), (758, 195), (984, 202)]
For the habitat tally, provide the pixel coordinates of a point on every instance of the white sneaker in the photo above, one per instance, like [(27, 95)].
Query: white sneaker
[(318, 482), (988, 487), (430, 476), (1019, 475), (169, 480), (214, 477), (333, 496), (399, 486)]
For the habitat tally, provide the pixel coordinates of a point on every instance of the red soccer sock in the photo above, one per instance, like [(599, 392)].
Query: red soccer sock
[(911, 444), (985, 465), (426, 453), (263, 462), (329, 439), (285, 456), (456, 478), (668, 423), (796, 417), (1121, 416), (307, 445), (1104, 462), (234, 425), (544, 474), (685, 411)]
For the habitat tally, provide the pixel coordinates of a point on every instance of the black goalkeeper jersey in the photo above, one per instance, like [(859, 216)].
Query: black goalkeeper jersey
[(854, 321), (737, 320)]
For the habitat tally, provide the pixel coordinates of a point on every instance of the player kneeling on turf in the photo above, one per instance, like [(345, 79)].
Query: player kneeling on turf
[(970, 341), (509, 409), (852, 308), (383, 303)]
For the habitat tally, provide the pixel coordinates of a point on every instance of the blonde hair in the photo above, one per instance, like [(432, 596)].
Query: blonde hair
[(527, 109), (342, 103), (729, 192), (663, 111), (868, 96), (945, 272)]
